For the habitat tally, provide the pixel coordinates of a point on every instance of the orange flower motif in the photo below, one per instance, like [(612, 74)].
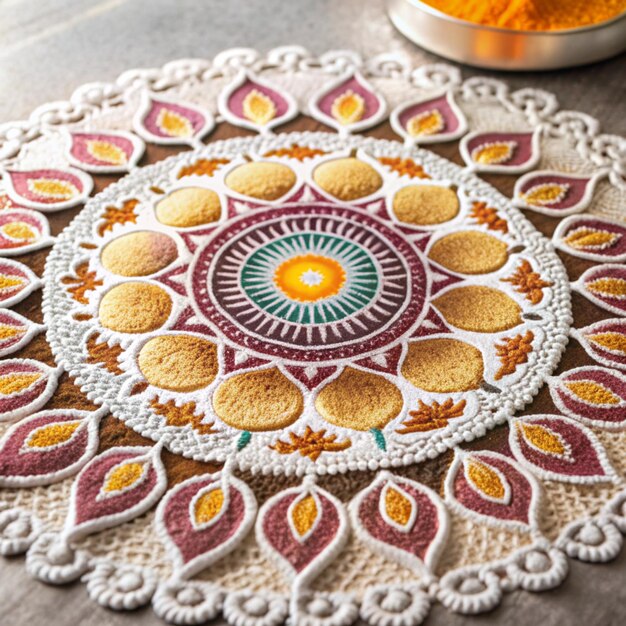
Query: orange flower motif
[(124, 215), (102, 352), (528, 282), (513, 351), (404, 167), (488, 216), (432, 416), (83, 282), (202, 167), (311, 444), (295, 152), (184, 415)]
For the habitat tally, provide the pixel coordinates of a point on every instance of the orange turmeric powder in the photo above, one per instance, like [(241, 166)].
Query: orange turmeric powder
[(532, 14)]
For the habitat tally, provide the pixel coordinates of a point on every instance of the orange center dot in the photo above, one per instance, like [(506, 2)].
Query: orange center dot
[(309, 277)]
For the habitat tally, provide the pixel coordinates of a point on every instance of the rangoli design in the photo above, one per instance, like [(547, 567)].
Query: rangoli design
[(283, 349)]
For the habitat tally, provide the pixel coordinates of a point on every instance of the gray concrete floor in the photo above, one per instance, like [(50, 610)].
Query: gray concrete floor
[(50, 47)]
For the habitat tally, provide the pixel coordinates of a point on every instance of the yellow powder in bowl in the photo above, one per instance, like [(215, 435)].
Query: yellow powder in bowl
[(532, 14)]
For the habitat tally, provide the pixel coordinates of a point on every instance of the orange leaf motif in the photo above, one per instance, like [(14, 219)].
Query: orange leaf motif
[(112, 215), (202, 167), (404, 167), (83, 281), (102, 352), (431, 416), (488, 216), (184, 415), (295, 152), (513, 351), (311, 444), (528, 282)]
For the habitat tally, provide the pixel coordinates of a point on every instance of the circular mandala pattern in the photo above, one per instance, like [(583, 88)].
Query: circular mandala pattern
[(328, 315), (310, 283)]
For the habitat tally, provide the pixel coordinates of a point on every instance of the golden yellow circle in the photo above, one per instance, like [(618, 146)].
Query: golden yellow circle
[(359, 400), (425, 205), (261, 179), (139, 253), (309, 277), (258, 401), (191, 206), (348, 178), (443, 365), (469, 252), (479, 309), (178, 362), (135, 308)]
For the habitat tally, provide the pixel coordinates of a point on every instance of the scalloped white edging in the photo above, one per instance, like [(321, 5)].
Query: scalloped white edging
[(469, 590)]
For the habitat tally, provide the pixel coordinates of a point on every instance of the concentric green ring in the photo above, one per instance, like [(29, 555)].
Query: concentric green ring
[(360, 288)]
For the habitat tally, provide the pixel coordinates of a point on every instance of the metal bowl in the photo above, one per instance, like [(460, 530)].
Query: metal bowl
[(506, 49)]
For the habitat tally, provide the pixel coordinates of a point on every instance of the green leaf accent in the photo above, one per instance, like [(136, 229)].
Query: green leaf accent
[(244, 440), (379, 438)]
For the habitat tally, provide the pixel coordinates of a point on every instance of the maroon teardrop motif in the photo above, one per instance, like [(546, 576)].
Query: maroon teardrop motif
[(119, 151), (302, 558), (559, 449), (421, 539), (199, 546), (605, 342), (516, 152), (24, 462), (605, 285), (93, 508), (593, 238), (608, 389), (518, 491)]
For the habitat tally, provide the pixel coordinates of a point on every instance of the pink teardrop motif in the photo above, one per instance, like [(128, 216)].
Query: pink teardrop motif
[(505, 496), (16, 282), (164, 121), (15, 331), (446, 120), (302, 560), (554, 193), (48, 447), (605, 286), (369, 106), (22, 231), (593, 395), (102, 152), (48, 189), (557, 448), (272, 108), (196, 546), (100, 500), (501, 152), (605, 342), (417, 542), (25, 386), (593, 238)]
